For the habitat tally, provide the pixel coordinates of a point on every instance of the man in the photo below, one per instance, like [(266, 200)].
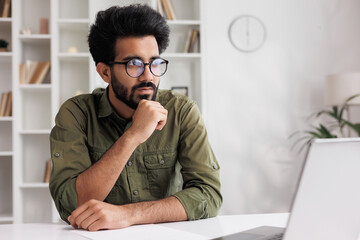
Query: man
[(119, 153)]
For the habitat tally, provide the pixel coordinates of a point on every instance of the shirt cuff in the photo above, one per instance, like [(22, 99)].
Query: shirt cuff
[(196, 207)]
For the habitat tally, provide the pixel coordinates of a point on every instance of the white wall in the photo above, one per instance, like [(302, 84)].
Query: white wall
[(255, 101)]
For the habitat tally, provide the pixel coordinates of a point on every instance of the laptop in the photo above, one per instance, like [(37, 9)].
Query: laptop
[(327, 201)]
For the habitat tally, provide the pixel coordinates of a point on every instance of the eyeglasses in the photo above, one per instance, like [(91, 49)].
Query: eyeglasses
[(136, 67)]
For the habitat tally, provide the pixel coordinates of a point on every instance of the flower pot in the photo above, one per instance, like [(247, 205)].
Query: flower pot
[(3, 50)]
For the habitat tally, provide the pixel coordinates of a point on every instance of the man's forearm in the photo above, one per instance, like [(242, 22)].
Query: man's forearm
[(97, 181), (166, 210), (95, 215)]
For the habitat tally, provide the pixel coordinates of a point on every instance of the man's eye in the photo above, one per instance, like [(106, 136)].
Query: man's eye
[(157, 62), (135, 62)]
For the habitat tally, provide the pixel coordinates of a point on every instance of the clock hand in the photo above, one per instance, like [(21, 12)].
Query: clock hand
[(247, 31)]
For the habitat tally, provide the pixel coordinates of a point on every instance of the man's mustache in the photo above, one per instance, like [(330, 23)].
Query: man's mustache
[(144, 84)]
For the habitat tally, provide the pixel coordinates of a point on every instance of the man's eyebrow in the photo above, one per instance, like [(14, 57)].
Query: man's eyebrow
[(137, 57), (131, 57)]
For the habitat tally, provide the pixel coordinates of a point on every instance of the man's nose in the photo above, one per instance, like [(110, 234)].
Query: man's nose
[(147, 75)]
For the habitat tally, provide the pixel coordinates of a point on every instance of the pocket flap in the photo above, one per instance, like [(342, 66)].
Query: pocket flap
[(160, 160)]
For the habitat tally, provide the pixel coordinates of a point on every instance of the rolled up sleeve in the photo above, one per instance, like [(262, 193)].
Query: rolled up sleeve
[(201, 196), (69, 155)]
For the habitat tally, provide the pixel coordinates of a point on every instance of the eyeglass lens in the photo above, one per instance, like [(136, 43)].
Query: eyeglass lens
[(135, 67)]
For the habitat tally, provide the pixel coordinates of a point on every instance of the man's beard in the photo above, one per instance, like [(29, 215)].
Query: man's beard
[(121, 92)]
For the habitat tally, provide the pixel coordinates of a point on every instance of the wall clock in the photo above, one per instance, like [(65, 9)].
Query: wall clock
[(247, 33)]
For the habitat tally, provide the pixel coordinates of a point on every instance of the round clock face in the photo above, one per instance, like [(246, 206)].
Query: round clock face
[(247, 33)]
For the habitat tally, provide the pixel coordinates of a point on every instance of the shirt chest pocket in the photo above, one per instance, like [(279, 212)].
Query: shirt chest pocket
[(160, 168), (160, 161)]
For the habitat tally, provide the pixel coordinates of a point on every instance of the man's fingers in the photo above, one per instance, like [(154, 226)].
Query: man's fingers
[(80, 214), (80, 209), (83, 217), (97, 225), (90, 220), (72, 222)]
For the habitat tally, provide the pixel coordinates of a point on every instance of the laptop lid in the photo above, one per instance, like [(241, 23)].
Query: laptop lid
[(327, 202)]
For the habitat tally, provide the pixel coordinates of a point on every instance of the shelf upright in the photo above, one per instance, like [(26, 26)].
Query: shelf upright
[(32, 119)]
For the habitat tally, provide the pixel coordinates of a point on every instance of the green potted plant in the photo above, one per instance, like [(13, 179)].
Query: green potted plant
[(3, 45), (332, 129)]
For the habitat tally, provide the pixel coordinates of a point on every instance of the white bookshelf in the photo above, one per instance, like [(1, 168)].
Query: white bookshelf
[(6, 126), (24, 137)]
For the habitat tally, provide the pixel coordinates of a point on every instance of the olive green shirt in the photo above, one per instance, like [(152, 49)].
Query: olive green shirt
[(176, 161)]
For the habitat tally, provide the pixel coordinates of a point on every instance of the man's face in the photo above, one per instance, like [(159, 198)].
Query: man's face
[(128, 89)]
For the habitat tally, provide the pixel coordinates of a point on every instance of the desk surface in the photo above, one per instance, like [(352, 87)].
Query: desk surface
[(201, 229)]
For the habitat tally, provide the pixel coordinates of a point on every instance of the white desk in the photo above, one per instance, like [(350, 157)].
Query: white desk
[(201, 229)]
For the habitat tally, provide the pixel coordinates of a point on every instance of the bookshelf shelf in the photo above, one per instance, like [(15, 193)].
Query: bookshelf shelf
[(34, 185), (35, 37), (6, 154), (5, 20), (65, 56), (184, 22), (6, 218), (6, 119), (35, 132), (73, 21), (6, 54), (35, 87)]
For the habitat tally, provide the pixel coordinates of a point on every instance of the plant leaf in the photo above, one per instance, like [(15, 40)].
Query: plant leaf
[(353, 126)]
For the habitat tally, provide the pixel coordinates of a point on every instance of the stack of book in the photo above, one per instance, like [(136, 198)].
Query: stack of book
[(6, 104), (192, 41), (166, 9), (5, 8), (33, 72)]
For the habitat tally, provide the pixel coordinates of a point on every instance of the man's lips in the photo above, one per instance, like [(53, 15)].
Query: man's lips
[(146, 90)]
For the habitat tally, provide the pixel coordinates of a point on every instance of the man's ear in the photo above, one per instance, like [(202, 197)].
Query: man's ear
[(104, 71)]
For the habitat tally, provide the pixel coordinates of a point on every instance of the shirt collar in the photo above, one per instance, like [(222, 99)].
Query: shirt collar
[(105, 108)]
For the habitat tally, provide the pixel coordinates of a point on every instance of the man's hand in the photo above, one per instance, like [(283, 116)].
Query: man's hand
[(95, 215), (149, 115)]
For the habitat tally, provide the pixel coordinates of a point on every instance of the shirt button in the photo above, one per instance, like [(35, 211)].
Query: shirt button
[(56, 154), (130, 163), (214, 167), (135, 192), (162, 162)]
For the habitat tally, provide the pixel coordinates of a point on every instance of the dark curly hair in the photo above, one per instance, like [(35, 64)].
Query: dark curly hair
[(130, 21)]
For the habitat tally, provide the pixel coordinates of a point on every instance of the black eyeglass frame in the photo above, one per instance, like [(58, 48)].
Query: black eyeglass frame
[(149, 63)]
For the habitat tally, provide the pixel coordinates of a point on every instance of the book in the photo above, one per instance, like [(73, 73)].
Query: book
[(22, 73), (47, 173), (8, 107), (4, 98), (2, 3), (194, 39), (187, 41), (166, 9), (33, 72), (30, 68), (160, 8), (40, 72), (171, 8), (6, 9)]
